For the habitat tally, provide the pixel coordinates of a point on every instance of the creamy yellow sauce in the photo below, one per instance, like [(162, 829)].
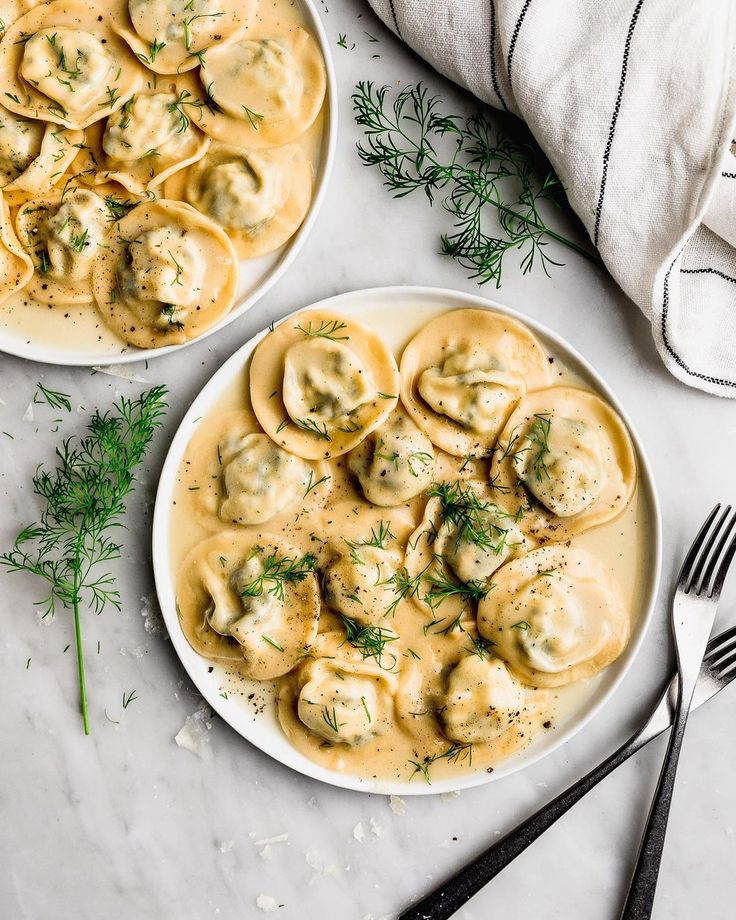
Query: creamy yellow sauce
[(407, 711), (150, 140)]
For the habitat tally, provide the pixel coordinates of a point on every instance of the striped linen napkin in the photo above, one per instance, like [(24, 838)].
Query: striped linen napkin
[(633, 102)]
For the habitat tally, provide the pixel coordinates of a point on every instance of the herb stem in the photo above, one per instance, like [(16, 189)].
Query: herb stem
[(80, 655)]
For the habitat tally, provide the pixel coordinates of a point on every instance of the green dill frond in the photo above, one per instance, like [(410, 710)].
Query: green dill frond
[(478, 170), (83, 500)]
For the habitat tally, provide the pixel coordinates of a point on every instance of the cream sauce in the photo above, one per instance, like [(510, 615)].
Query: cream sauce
[(427, 664)]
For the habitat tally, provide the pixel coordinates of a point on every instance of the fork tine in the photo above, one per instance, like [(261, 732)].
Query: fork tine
[(721, 667), (721, 644), (715, 591), (692, 554), (695, 583), (723, 532)]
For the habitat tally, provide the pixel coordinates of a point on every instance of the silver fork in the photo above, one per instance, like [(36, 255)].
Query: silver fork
[(717, 670), (693, 612)]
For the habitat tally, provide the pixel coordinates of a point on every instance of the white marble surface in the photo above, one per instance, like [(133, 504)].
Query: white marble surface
[(126, 824)]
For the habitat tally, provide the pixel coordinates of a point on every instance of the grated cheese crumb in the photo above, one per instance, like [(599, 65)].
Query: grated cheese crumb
[(397, 805), (194, 734)]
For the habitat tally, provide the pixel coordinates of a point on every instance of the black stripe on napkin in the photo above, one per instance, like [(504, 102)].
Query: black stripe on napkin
[(494, 75), (396, 21), (728, 175), (515, 36), (614, 119), (665, 308)]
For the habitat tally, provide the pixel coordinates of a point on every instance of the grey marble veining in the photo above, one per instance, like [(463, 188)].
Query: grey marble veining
[(126, 824)]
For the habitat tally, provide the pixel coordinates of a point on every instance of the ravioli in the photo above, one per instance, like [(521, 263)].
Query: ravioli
[(167, 275), (16, 266), (359, 567), (33, 156), (566, 454), (173, 36), (463, 374), (266, 89), (10, 12), (320, 383), (236, 475), (483, 702), (462, 539), (251, 600), (62, 62), (460, 700), (337, 697), (556, 615), (63, 233), (395, 463), (151, 137), (259, 197)]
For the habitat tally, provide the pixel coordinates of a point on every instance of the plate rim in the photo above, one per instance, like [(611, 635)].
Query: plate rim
[(160, 550), (45, 354)]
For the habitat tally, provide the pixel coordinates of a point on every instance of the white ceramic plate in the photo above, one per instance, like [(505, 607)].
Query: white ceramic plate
[(392, 312), (257, 276)]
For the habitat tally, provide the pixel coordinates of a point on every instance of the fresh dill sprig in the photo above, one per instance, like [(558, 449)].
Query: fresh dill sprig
[(370, 640), (454, 753), (278, 571), (326, 330), (53, 398), (84, 498), (482, 171)]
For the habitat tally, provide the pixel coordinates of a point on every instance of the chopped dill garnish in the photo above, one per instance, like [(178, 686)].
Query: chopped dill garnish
[(253, 117), (331, 719), (129, 698), (370, 640), (178, 108), (421, 457), (454, 754), (326, 330), (278, 571), (522, 624), (308, 424), (367, 711), (53, 398), (480, 646), (539, 436), (153, 51), (404, 586), (475, 519), (272, 642), (313, 484), (379, 536), (441, 587)]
